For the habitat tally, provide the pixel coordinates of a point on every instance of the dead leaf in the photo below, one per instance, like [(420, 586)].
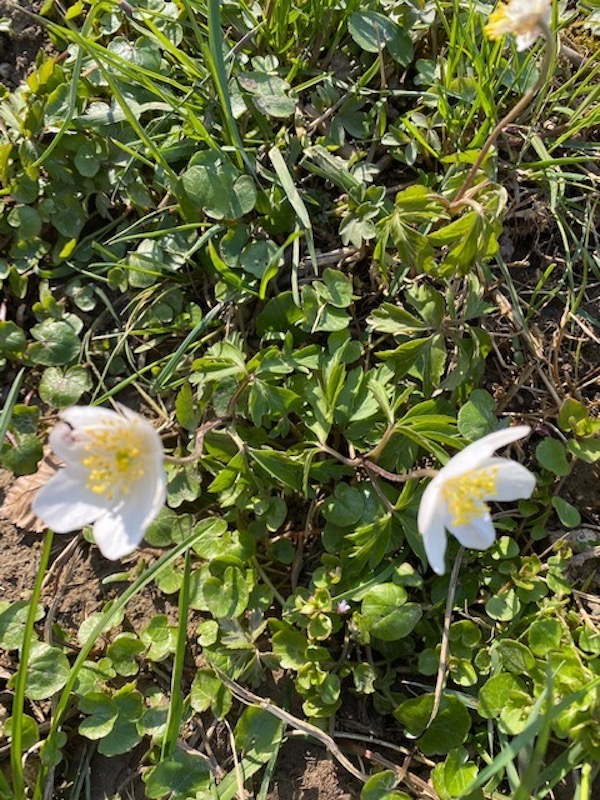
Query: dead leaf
[(17, 503)]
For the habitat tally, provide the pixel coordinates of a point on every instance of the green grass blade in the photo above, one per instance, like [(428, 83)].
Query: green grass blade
[(18, 777)]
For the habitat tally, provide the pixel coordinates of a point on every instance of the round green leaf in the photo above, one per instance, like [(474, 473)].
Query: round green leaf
[(226, 597), (258, 731), (13, 617), (56, 343), (12, 339), (27, 220), (218, 187), (47, 671), (503, 607), (381, 787), (544, 635), (103, 715), (514, 656), (63, 388), (124, 652), (495, 694), (552, 455), (30, 733), (87, 159), (207, 692), (346, 506), (179, 775), (387, 615)]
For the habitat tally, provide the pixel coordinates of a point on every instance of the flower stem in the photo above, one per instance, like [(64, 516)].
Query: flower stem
[(549, 56), (440, 680), (16, 744)]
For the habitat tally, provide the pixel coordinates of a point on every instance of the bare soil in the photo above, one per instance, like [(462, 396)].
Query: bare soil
[(20, 48)]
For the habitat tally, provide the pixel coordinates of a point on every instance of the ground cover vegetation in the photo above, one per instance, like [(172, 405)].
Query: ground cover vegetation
[(249, 222)]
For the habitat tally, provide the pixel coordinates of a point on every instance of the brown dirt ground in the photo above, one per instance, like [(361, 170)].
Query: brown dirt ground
[(20, 48)]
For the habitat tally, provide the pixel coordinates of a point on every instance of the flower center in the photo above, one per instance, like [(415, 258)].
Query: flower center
[(465, 494), (115, 459)]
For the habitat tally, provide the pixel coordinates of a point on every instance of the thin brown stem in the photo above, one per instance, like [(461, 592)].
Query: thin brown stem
[(440, 680)]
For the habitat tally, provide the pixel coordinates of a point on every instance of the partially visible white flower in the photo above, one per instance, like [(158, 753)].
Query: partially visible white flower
[(113, 477), (523, 18), (456, 499), (343, 607)]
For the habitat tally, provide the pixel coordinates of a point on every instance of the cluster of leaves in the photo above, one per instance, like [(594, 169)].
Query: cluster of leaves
[(166, 223)]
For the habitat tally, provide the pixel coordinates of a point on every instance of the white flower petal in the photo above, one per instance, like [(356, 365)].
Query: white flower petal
[(65, 505), (114, 477), (477, 452), (88, 416), (118, 532), (64, 444), (513, 480), (479, 534), (430, 503), (434, 538)]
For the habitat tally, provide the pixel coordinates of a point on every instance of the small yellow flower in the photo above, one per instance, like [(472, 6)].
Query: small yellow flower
[(523, 18), (456, 499), (113, 477)]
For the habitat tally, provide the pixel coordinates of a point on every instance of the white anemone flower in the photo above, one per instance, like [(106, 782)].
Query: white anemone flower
[(523, 18), (113, 477), (456, 499)]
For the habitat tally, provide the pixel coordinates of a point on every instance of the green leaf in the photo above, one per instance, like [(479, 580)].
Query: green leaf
[(452, 778), (208, 691), (258, 732), (124, 651), (477, 417), (371, 30), (571, 414), (381, 787), (47, 671), (567, 513), (503, 607), (30, 735), (124, 735), (514, 656), (88, 158), (339, 288), (62, 388), (12, 339), (13, 617), (218, 187), (103, 715), (587, 450), (159, 637), (279, 466), (448, 730), (496, 692), (552, 455), (289, 646), (346, 506), (386, 613), (544, 635), (27, 220), (188, 415), (179, 776), (56, 343), (227, 596), (269, 93)]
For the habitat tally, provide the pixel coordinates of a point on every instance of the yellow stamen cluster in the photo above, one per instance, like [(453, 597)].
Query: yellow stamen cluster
[(115, 459), (465, 495), (498, 23)]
